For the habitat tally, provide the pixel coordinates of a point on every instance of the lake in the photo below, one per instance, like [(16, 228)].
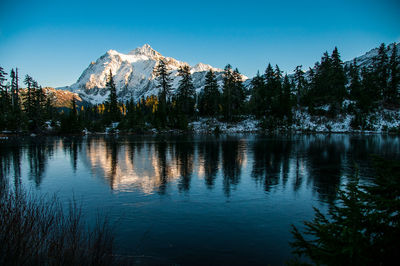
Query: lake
[(196, 199)]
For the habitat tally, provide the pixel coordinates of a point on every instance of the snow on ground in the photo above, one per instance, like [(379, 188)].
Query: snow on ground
[(385, 120), (305, 122), (207, 125), (379, 122)]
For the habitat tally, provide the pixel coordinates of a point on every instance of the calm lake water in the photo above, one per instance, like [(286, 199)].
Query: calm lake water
[(196, 199)]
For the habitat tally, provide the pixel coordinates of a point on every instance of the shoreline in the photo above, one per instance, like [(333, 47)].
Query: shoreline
[(6, 136)]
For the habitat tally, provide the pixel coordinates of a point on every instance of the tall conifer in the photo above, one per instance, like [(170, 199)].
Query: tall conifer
[(113, 109), (393, 93), (382, 72), (186, 93), (355, 83), (164, 83), (211, 95), (337, 79), (300, 84), (259, 96)]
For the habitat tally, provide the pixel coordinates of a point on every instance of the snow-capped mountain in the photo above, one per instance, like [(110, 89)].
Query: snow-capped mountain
[(134, 75)]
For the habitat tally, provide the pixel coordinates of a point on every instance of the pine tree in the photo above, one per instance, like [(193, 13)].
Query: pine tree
[(355, 83), (113, 110), (15, 90), (286, 99), (239, 93), (269, 87), (74, 111), (73, 117), (3, 85), (337, 79), (382, 72), (164, 82), (278, 78), (132, 115), (49, 109), (301, 84), (186, 93), (70, 123), (276, 91), (233, 93), (227, 92), (2, 78), (34, 99), (28, 99), (259, 96), (338, 240), (321, 91), (393, 93), (39, 107), (211, 96), (164, 79), (327, 85), (369, 93), (4, 99), (362, 229), (35, 110)]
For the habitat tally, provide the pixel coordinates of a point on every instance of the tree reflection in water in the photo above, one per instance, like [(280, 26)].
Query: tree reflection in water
[(112, 148), (73, 146), (231, 163), (161, 147), (154, 163), (209, 152), (39, 150), (325, 157), (184, 153), (271, 160)]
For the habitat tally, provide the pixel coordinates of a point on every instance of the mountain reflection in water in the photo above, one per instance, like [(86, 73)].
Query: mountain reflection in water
[(196, 199)]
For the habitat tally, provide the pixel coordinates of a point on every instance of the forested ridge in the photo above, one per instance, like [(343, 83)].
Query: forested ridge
[(329, 91)]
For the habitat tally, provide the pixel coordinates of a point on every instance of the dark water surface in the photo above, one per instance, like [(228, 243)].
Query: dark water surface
[(196, 199)]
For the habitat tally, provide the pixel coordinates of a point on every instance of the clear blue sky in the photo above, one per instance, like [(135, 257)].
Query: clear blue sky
[(54, 41)]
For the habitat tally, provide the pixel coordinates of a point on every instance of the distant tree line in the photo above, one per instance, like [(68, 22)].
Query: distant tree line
[(328, 89), (23, 109)]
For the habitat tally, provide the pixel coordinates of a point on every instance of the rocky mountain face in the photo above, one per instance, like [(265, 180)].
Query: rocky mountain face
[(134, 75), (59, 98), (62, 98)]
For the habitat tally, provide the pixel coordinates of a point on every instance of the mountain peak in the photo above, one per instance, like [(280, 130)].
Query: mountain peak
[(112, 52), (145, 50), (203, 67)]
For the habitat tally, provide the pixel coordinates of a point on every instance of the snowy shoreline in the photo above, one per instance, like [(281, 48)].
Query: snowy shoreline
[(380, 122), (384, 121)]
